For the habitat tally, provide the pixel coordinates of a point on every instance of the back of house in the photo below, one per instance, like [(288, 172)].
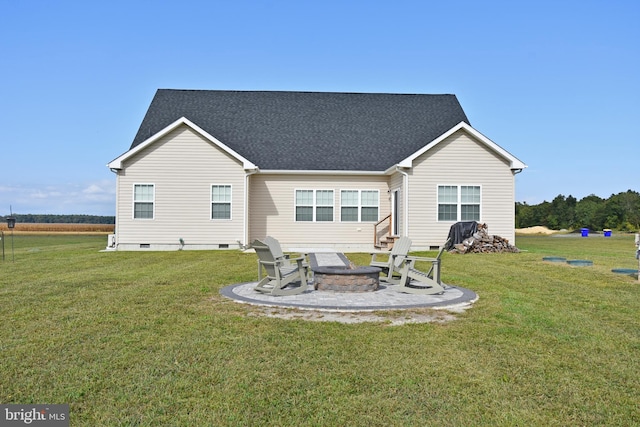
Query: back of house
[(340, 171)]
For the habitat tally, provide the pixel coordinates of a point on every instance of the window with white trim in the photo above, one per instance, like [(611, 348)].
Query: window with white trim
[(314, 205), (143, 201), (458, 203), (359, 205), (469, 203), (220, 202)]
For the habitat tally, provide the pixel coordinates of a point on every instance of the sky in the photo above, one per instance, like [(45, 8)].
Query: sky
[(555, 83)]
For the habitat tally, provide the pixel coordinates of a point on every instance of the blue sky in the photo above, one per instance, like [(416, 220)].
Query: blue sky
[(556, 83)]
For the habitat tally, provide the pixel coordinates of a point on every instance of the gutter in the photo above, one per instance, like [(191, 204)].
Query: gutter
[(317, 172)]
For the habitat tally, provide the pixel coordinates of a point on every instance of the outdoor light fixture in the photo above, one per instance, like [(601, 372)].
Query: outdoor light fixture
[(11, 223)]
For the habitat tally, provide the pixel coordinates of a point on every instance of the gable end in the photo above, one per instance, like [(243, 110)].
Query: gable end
[(116, 164), (514, 163)]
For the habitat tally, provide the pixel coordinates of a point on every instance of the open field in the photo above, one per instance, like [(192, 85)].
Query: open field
[(144, 338), (42, 228)]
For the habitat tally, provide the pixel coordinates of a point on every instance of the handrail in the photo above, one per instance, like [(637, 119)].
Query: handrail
[(376, 241), (382, 220)]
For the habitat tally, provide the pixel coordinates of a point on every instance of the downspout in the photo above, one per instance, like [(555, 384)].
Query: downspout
[(405, 200), (245, 225), (115, 231), (515, 172)]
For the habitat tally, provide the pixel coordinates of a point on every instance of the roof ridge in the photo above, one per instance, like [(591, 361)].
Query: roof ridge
[(302, 92)]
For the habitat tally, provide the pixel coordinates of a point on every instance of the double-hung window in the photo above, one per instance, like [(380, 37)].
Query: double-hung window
[(458, 203), (143, 201), (314, 205), (220, 202), (469, 203), (359, 205)]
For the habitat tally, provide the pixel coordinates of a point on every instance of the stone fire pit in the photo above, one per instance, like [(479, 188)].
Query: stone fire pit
[(332, 271), (343, 279)]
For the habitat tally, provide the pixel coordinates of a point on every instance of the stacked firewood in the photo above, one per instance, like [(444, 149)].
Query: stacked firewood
[(483, 242)]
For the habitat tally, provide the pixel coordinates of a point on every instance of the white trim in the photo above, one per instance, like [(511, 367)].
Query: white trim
[(514, 163), (318, 172), (458, 203), (395, 210), (359, 205), (245, 209), (116, 163), (405, 200), (133, 201), (211, 202), (314, 204)]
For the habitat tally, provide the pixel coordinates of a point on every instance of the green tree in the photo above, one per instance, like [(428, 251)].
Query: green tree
[(588, 212), (620, 211), (625, 207)]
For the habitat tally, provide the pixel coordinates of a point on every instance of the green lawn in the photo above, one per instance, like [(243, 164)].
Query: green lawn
[(132, 338)]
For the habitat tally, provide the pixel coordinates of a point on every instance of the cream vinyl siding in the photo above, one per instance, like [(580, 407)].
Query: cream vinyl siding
[(182, 166), (460, 160), (272, 210)]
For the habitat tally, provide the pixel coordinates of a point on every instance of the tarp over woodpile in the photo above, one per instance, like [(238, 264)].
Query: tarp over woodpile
[(459, 232), (470, 236)]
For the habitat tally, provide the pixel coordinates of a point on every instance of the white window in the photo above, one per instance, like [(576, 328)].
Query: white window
[(220, 202), (359, 205), (314, 205), (143, 201), (469, 203), (304, 205), (349, 205), (459, 203)]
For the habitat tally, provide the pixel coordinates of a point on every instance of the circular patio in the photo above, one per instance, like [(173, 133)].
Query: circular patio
[(384, 298)]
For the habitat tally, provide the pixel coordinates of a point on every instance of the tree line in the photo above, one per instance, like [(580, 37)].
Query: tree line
[(619, 212), (63, 219)]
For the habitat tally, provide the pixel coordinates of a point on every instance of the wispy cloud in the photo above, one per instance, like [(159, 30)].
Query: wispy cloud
[(91, 198)]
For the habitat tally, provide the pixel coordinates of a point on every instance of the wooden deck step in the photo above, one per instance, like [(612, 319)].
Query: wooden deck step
[(387, 242)]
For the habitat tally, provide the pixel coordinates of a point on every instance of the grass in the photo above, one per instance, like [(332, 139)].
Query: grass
[(133, 338)]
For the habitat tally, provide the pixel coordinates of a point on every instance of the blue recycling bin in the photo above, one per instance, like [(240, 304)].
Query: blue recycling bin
[(585, 232), (607, 232)]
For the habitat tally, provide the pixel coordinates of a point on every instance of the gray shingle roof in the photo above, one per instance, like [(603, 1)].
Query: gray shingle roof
[(310, 130)]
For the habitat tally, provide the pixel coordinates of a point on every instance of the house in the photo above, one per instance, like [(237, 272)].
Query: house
[(217, 169)]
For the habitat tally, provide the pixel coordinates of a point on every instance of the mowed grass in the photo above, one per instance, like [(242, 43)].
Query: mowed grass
[(144, 338)]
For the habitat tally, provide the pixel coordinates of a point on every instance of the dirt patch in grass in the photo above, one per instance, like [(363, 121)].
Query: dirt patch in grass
[(538, 229), (55, 228), (390, 317)]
